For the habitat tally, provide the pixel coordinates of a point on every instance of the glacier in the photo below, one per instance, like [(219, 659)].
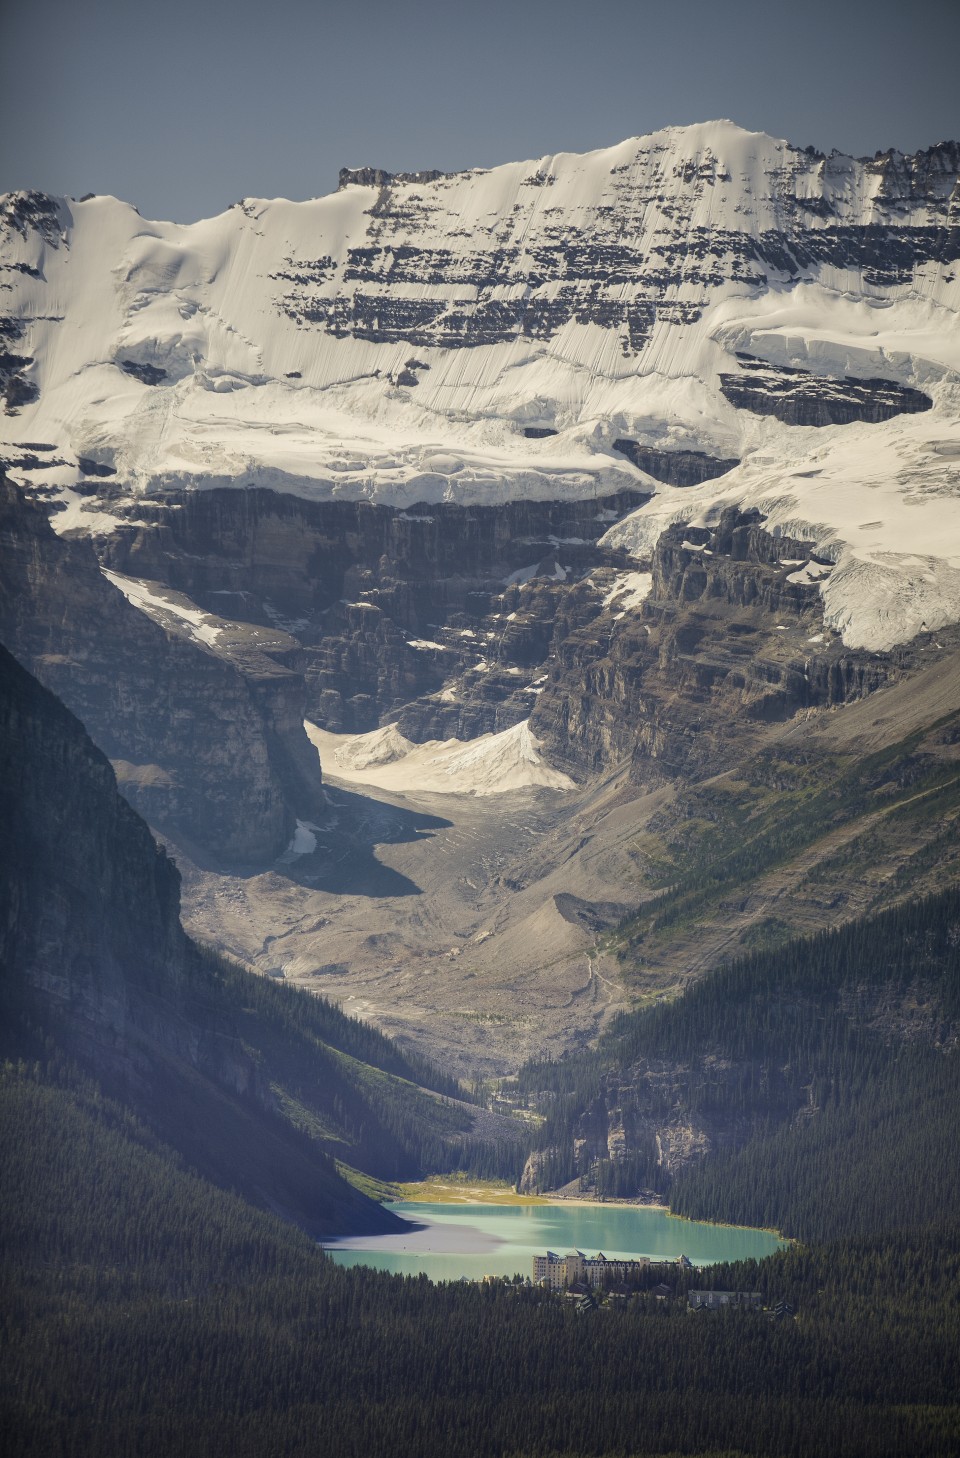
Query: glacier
[(496, 334)]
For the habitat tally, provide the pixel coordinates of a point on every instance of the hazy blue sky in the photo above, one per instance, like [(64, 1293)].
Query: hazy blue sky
[(186, 105)]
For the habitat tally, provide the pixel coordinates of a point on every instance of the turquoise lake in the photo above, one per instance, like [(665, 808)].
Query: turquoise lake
[(501, 1240)]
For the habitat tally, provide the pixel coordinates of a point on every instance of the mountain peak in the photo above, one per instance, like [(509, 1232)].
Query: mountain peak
[(499, 333)]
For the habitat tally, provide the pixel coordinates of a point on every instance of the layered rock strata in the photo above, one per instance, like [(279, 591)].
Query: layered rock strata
[(456, 621), (675, 468), (730, 636), (798, 397), (437, 616)]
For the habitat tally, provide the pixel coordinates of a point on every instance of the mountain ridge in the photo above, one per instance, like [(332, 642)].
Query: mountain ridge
[(504, 333)]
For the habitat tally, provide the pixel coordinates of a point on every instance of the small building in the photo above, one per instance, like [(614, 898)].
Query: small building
[(714, 1300), (662, 1292)]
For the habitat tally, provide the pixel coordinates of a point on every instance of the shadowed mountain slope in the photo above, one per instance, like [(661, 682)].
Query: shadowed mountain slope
[(258, 1087)]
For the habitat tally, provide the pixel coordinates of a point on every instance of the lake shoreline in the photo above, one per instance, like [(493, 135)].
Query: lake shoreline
[(489, 1192), (460, 1237)]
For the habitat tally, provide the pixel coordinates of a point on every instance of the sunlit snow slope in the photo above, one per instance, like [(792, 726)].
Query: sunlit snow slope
[(701, 289)]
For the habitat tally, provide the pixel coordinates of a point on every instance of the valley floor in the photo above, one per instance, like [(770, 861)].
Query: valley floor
[(476, 926), (414, 912)]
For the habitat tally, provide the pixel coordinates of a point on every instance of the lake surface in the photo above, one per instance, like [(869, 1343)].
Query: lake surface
[(501, 1240)]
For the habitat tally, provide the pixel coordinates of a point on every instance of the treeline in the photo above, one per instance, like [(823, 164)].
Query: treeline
[(145, 1312), (830, 1066)]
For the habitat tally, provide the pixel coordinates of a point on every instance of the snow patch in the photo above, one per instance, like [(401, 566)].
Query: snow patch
[(881, 507), (354, 753), (811, 573), (493, 764), (304, 841), (155, 600), (629, 590), (522, 575)]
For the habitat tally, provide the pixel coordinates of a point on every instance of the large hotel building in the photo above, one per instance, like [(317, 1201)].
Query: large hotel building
[(558, 1271)]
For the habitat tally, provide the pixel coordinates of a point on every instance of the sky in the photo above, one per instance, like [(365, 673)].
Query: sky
[(183, 107)]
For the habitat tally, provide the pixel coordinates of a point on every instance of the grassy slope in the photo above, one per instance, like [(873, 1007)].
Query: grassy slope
[(809, 833)]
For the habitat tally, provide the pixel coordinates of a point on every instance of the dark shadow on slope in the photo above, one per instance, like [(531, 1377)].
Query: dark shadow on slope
[(345, 862)]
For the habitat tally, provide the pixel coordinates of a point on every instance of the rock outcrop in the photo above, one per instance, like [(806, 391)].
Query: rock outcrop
[(208, 747), (731, 636), (377, 177), (675, 468), (798, 397)]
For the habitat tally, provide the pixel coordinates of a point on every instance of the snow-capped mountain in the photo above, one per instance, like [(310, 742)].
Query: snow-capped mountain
[(705, 312)]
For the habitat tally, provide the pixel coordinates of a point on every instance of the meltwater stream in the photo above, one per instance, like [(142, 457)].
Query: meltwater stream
[(501, 1240)]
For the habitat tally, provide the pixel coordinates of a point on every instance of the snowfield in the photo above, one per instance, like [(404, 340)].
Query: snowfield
[(882, 502), (394, 344), (492, 764)]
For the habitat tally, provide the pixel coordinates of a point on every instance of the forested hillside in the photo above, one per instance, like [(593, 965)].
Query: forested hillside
[(147, 1312), (824, 1079), (813, 830), (159, 1108)]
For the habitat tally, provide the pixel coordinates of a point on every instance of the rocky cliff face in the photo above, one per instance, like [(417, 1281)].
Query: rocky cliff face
[(91, 905), (798, 397), (675, 468), (435, 616), (730, 635), (208, 746), (454, 621), (669, 1114)]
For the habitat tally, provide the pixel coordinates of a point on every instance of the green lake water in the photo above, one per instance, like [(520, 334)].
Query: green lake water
[(501, 1240)]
